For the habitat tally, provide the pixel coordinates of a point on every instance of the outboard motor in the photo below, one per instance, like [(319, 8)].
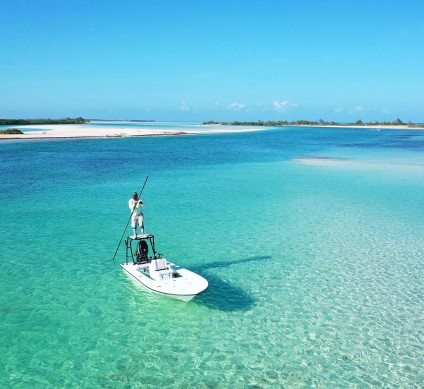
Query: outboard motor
[(141, 254)]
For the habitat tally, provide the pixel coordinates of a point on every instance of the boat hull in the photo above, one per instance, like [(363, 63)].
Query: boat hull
[(183, 285)]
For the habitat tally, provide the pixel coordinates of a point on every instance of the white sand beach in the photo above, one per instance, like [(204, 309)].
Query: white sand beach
[(64, 131)]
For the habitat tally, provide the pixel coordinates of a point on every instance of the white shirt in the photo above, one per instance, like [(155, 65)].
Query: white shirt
[(137, 211)]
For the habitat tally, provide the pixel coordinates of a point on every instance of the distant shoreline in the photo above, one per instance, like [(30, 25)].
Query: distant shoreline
[(81, 131), (321, 123), (27, 122), (365, 127)]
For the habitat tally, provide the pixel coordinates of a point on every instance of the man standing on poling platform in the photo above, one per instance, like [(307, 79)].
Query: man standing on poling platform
[(137, 217)]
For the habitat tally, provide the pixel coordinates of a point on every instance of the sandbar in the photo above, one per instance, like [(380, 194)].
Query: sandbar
[(359, 164), (69, 131)]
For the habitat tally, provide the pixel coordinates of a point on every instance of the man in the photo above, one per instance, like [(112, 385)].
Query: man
[(137, 218)]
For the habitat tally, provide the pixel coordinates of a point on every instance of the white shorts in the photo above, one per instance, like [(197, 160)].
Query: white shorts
[(137, 220)]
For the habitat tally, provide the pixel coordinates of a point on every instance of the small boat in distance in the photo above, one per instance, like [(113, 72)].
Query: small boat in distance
[(156, 273)]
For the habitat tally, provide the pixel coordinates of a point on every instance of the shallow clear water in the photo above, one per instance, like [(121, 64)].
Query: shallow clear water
[(315, 270), (148, 125)]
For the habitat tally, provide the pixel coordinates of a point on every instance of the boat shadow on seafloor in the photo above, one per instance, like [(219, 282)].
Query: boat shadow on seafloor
[(222, 295)]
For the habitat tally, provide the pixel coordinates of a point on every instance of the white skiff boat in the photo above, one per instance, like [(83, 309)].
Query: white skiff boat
[(157, 274)]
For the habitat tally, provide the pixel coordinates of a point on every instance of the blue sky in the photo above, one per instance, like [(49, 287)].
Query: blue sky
[(220, 60)]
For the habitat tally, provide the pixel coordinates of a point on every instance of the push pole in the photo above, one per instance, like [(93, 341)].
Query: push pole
[(129, 219)]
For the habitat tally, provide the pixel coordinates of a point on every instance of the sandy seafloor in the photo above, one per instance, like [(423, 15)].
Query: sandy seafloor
[(312, 240)]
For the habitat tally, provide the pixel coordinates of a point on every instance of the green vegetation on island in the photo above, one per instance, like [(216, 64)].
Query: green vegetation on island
[(213, 122), (24, 122), (275, 123), (10, 131)]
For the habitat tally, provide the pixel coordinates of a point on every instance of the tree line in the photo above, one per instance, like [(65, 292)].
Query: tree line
[(274, 123), (7, 122)]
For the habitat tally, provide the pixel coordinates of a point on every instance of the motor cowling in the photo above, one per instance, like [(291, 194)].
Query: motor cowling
[(142, 252)]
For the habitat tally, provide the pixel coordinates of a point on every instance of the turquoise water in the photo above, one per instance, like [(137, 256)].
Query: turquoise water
[(148, 125), (315, 270)]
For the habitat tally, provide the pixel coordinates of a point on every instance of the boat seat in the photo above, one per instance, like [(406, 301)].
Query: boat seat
[(159, 269), (160, 264)]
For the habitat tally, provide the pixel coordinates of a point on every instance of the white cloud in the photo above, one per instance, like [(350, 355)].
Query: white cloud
[(283, 105), (352, 111), (237, 106), (184, 106)]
